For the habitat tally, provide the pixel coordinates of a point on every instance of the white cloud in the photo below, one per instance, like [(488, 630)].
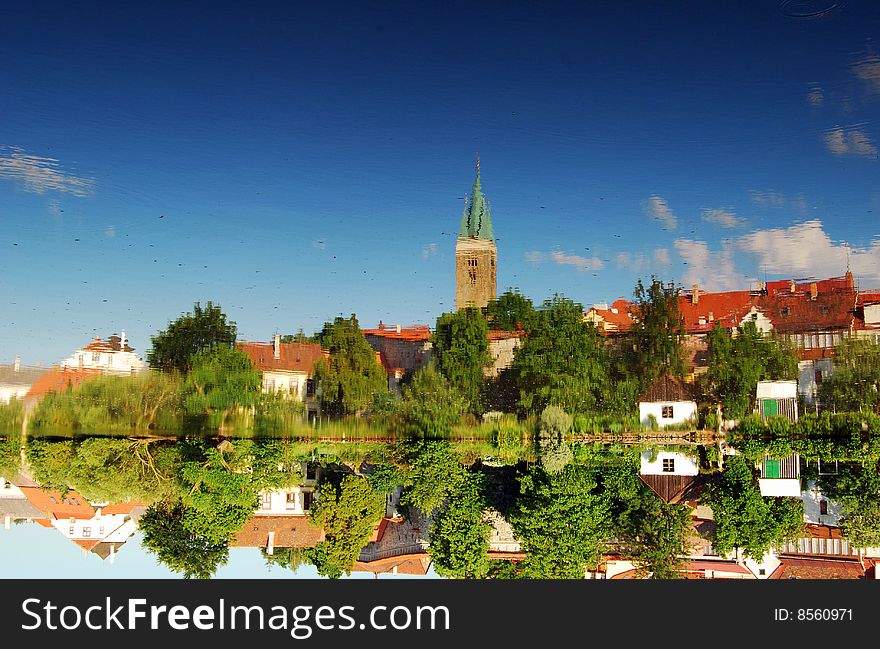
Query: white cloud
[(319, 244), (806, 249), (640, 262), (868, 70), (816, 96), (713, 270), (723, 217), (581, 263), (661, 256), (853, 141), (54, 207), (534, 256), (658, 209), (39, 174), (429, 250), (110, 232), (767, 199)]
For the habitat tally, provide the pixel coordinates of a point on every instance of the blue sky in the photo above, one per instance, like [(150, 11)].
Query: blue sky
[(295, 162), (45, 554)]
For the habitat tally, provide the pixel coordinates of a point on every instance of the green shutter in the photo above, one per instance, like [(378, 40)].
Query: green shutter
[(771, 407), (771, 467)]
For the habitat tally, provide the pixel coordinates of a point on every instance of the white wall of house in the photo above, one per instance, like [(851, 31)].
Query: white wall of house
[(614, 567), (872, 315), (776, 390), (10, 391), (681, 463), (292, 384), (122, 363), (104, 527), (764, 568), (780, 487), (9, 490), (762, 322), (813, 497), (806, 383), (682, 411)]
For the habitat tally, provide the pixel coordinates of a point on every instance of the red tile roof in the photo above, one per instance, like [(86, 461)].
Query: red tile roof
[(801, 568), (293, 357), (290, 532), (72, 505), (412, 333), (617, 315), (504, 335)]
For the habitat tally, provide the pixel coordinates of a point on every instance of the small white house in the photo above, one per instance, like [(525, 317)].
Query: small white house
[(290, 501), (777, 398), (111, 356), (670, 401), (669, 474), (780, 477)]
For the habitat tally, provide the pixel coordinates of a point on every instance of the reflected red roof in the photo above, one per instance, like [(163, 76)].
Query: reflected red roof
[(293, 357), (412, 333), (290, 532), (800, 568), (59, 380)]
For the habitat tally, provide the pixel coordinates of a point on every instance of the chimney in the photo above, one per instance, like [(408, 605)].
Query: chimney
[(696, 294), (398, 328), (793, 286), (850, 282), (270, 544), (16, 366), (814, 290), (122, 340), (277, 347)]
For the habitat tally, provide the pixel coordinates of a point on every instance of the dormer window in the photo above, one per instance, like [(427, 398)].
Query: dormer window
[(783, 311)]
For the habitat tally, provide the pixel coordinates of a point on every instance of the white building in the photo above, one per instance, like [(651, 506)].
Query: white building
[(669, 401), (16, 380), (112, 356), (290, 501), (780, 477), (287, 368), (777, 398)]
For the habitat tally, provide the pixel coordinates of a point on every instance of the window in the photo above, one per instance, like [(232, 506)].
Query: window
[(71, 531), (310, 387), (762, 571), (783, 311), (75, 501), (266, 501), (823, 507), (666, 412), (87, 532), (668, 465), (472, 276), (96, 356), (292, 500), (818, 377), (307, 500), (101, 532), (270, 385)]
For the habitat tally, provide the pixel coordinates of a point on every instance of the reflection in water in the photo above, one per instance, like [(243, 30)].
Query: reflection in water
[(746, 507)]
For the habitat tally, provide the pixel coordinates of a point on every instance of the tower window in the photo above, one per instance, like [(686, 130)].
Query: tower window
[(472, 276)]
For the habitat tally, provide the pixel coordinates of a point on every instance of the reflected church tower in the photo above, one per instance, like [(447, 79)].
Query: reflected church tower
[(475, 253)]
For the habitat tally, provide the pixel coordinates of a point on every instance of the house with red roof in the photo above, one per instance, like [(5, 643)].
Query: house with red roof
[(287, 369), (401, 350)]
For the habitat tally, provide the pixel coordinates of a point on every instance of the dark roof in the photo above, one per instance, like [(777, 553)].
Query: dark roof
[(673, 488), (669, 388), (24, 375)]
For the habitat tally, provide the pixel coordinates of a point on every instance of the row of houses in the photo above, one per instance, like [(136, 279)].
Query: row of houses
[(813, 315)]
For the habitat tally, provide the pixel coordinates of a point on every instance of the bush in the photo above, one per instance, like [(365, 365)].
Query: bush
[(554, 421)]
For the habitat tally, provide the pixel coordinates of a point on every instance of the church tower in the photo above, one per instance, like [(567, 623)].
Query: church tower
[(475, 254)]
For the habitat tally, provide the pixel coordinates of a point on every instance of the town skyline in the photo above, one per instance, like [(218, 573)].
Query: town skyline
[(301, 164)]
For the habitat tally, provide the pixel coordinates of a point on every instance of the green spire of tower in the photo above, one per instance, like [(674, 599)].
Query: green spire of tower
[(476, 221)]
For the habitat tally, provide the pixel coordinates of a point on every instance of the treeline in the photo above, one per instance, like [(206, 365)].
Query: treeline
[(568, 506)]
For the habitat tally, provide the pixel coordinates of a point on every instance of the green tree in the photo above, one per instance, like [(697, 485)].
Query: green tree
[(562, 362), (512, 311), (10, 456), (436, 471), (655, 536), (352, 376), (562, 522), (203, 329), (460, 347), (744, 519), (430, 405), (856, 490), (855, 382), (657, 332), (738, 362), (168, 537), (347, 512), (220, 381), (459, 541)]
